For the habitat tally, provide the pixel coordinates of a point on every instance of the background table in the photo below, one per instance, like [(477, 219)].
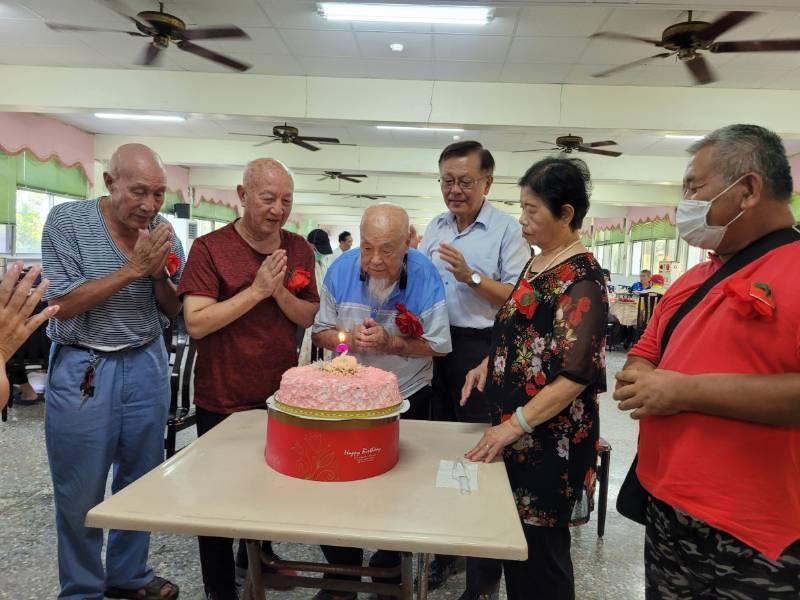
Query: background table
[(221, 486), (626, 312)]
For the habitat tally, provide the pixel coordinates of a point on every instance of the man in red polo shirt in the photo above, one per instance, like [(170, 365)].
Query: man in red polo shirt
[(246, 289), (719, 446)]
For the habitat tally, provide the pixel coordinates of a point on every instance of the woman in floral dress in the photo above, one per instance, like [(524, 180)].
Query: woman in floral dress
[(543, 375)]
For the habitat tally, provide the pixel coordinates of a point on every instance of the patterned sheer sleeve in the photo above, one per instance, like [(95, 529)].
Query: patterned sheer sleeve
[(579, 329)]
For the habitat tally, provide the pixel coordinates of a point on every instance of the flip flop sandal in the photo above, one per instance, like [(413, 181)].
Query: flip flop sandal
[(151, 591)]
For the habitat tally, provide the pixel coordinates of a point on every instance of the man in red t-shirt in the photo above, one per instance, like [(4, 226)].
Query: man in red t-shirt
[(719, 446), (246, 289)]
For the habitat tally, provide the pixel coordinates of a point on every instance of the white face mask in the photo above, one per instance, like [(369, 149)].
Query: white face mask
[(692, 221)]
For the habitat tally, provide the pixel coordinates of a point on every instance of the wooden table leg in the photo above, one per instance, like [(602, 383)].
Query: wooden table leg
[(254, 585), (423, 566), (406, 576)]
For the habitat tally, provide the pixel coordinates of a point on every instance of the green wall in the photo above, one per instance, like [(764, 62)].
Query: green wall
[(24, 170), (796, 207)]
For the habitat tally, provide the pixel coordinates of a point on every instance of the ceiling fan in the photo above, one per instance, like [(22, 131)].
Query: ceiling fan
[(164, 29), (287, 134), (570, 143), (686, 39), (353, 177)]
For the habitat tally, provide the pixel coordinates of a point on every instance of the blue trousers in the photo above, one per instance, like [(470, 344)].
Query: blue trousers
[(121, 426)]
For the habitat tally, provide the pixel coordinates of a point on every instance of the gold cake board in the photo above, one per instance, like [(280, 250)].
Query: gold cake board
[(336, 414)]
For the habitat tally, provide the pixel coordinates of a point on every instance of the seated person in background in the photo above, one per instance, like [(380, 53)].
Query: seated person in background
[(607, 279), (657, 282), (17, 301), (644, 283), (391, 301)]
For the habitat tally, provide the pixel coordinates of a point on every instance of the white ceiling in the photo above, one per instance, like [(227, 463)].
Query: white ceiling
[(630, 142), (528, 42)]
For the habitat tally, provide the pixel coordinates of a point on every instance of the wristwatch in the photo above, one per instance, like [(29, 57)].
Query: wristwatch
[(474, 279)]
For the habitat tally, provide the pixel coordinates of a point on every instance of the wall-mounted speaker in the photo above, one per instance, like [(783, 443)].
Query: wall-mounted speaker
[(183, 210)]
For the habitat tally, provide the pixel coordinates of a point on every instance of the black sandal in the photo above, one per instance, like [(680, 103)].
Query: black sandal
[(151, 591)]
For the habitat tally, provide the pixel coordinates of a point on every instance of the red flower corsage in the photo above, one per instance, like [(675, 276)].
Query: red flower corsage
[(173, 264), (750, 299), (298, 279), (407, 322), (526, 298)]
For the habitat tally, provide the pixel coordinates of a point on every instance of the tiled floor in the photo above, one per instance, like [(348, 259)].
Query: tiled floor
[(605, 569)]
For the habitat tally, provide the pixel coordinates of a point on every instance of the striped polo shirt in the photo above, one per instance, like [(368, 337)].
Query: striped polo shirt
[(77, 247)]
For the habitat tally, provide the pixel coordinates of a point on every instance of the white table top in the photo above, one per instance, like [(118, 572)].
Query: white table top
[(221, 485)]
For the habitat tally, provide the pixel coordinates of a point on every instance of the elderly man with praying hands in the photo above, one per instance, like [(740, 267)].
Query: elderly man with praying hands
[(112, 265), (247, 288), (389, 301)]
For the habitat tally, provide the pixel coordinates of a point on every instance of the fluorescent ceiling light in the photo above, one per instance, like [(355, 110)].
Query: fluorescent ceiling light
[(139, 117), (671, 136), (396, 47), (406, 128), (406, 13)]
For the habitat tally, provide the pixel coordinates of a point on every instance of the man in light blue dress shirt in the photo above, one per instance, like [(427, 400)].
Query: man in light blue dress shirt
[(479, 251)]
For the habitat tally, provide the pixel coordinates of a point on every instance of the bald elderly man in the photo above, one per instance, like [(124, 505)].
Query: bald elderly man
[(108, 387), (246, 289), (372, 294)]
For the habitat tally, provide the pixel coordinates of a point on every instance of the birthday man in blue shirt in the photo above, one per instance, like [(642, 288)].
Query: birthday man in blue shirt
[(389, 300)]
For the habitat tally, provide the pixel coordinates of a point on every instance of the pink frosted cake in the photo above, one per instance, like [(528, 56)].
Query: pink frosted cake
[(339, 385)]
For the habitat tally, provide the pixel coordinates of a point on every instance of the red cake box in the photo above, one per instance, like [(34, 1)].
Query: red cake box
[(331, 450)]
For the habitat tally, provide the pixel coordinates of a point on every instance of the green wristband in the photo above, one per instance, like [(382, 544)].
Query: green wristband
[(522, 422)]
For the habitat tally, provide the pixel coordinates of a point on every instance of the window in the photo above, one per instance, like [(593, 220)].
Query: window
[(664, 250), (204, 227), (611, 257), (695, 256), (642, 256), (617, 263), (648, 253), (32, 210), (6, 239)]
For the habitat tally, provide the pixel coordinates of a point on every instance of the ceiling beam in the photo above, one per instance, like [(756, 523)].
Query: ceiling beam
[(58, 89), (207, 156)]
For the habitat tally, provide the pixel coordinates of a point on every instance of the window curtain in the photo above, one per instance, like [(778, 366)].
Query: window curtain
[(614, 235), (213, 211), (656, 229), (25, 170)]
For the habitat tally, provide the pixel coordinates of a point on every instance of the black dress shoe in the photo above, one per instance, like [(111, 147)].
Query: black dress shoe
[(440, 571), (473, 596), (326, 595)]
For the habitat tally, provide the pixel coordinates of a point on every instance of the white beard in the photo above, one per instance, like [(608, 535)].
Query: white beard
[(380, 289)]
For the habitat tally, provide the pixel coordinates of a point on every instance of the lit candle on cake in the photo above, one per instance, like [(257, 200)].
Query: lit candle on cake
[(341, 348), (344, 362)]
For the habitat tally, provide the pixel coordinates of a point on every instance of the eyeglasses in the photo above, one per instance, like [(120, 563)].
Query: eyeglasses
[(465, 184)]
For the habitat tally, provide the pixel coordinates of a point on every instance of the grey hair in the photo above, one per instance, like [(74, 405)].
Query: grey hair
[(255, 167), (388, 215), (741, 149)]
